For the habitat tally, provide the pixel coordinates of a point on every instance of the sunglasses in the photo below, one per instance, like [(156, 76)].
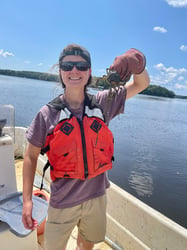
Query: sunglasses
[(68, 66)]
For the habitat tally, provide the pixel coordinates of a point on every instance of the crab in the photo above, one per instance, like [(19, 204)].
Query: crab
[(110, 81)]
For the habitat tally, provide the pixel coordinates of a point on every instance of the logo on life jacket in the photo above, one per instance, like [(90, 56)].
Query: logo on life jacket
[(66, 128), (96, 126)]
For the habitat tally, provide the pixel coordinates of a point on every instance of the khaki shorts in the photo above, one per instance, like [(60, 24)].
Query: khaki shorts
[(90, 217)]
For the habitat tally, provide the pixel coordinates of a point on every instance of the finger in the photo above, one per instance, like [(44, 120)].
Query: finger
[(127, 77), (28, 222), (35, 223)]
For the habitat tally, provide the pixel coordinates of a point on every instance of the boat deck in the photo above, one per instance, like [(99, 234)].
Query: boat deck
[(72, 241)]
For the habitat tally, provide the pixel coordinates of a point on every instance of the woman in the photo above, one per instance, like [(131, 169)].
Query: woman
[(73, 130)]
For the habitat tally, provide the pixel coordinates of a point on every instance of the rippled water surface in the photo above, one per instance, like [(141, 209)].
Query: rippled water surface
[(150, 142), (151, 153)]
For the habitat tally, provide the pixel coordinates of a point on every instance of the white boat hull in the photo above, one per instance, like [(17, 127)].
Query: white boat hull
[(131, 224)]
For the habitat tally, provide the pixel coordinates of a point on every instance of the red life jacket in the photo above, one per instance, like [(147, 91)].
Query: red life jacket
[(79, 148)]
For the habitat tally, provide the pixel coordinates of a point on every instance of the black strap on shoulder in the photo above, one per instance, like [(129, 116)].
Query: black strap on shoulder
[(57, 103), (91, 102)]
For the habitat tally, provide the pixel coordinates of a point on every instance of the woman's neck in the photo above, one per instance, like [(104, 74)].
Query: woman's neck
[(74, 99)]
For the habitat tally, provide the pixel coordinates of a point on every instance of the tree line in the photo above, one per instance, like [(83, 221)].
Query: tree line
[(153, 90), (30, 74)]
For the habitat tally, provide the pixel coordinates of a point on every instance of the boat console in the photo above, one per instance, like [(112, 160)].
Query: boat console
[(13, 234)]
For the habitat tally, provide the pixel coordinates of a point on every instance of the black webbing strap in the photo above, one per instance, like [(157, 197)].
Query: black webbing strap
[(44, 169), (44, 150)]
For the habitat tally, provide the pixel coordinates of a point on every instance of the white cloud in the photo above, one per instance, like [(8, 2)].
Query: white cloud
[(40, 64), (160, 29), (27, 62), (177, 3), (180, 86), (183, 48), (181, 78), (175, 79), (170, 70), (5, 53)]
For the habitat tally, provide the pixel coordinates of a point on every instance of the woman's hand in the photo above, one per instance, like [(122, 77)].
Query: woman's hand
[(27, 219)]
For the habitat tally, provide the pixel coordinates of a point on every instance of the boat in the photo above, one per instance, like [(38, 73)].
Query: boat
[(131, 224)]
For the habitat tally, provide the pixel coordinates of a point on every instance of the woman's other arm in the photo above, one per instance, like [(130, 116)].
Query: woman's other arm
[(29, 168)]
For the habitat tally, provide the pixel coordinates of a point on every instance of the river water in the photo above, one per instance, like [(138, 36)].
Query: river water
[(150, 142)]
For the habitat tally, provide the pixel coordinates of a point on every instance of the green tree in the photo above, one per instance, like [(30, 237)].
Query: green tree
[(158, 91)]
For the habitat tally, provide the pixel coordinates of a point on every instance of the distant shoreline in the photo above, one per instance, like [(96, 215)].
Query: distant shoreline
[(152, 90), (181, 96)]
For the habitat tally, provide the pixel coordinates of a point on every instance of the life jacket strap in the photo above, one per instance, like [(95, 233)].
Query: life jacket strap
[(44, 170), (44, 150)]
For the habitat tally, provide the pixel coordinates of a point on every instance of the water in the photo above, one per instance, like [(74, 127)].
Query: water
[(151, 153), (150, 142)]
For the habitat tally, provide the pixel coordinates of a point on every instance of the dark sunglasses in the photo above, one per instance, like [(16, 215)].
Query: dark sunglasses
[(68, 66)]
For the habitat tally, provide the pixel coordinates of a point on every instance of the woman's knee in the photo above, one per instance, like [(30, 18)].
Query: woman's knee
[(83, 244)]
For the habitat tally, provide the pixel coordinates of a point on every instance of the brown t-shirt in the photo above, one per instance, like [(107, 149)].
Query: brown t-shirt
[(70, 192)]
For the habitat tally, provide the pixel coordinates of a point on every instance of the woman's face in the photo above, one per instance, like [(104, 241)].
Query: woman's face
[(75, 78)]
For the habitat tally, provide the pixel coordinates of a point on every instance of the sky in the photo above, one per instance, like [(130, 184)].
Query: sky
[(33, 33)]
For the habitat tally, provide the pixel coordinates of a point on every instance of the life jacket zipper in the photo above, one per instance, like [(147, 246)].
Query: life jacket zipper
[(84, 148)]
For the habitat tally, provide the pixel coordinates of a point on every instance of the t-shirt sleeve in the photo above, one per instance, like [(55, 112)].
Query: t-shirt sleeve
[(112, 102), (42, 125), (36, 133)]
